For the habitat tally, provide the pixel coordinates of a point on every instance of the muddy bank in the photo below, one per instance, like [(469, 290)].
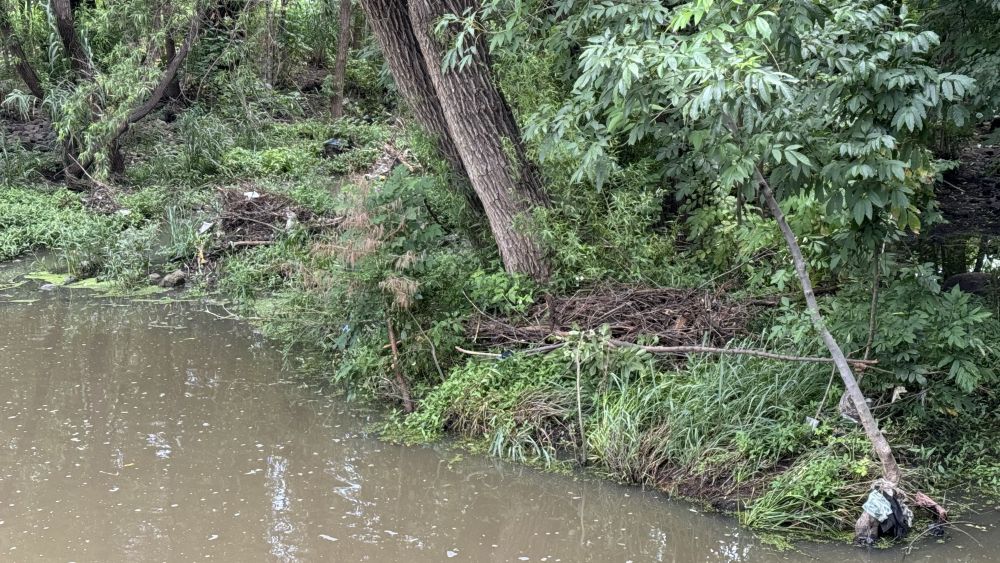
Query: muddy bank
[(135, 431)]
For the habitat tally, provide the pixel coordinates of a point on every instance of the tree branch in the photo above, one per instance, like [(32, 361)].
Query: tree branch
[(167, 76), (21, 64), (890, 469), (684, 351)]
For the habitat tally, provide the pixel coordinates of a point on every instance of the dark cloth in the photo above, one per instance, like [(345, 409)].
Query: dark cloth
[(896, 524)]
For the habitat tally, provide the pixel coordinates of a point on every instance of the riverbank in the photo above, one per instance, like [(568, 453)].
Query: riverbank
[(194, 436), (366, 260)]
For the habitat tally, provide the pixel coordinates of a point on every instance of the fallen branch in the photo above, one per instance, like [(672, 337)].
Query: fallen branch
[(924, 501), (682, 351), (434, 355), (528, 352), (238, 243), (685, 350)]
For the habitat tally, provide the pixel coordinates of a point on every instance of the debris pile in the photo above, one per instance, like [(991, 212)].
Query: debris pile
[(249, 217), (676, 317)]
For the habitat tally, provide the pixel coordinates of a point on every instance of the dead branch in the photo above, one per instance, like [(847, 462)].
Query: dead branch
[(675, 317), (239, 243), (404, 387), (685, 351)]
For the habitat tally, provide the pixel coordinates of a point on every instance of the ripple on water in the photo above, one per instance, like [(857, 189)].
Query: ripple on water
[(124, 438)]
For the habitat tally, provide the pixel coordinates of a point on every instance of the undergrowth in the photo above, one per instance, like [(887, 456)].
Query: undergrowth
[(407, 258)]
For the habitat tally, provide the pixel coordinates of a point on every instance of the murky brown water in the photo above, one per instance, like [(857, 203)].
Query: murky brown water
[(149, 432)]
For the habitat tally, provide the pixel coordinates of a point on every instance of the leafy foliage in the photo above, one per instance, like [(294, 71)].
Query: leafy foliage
[(654, 124)]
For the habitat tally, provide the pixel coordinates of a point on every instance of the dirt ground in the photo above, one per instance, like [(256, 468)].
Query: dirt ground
[(969, 196)]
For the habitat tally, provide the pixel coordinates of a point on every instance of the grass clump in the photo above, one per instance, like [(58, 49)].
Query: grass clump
[(819, 494), (31, 219), (521, 409), (729, 430)]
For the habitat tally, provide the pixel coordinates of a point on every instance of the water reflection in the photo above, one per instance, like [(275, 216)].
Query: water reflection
[(155, 433)]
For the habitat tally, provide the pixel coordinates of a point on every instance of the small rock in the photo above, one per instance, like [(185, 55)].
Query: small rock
[(47, 287), (155, 278), (173, 279)]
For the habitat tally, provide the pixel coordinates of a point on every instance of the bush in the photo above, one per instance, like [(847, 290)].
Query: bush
[(940, 346)]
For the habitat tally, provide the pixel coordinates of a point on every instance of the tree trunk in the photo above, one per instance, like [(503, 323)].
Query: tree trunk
[(116, 160), (167, 77), (488, 140), (267, 67), (390, 22), (890, 469), (984, 248), (21, 64), (340, 67), (279, 42), (62, 10), (173, 90), (357, 29)]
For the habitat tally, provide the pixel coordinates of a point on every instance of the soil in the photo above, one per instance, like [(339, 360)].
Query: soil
[(969, 196), (35, 134)]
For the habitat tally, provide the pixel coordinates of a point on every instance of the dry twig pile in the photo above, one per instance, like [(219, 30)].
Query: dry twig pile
[(677, 317), (249, 216)]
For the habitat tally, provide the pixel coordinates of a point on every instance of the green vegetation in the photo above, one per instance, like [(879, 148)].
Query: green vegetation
[(405, 254)]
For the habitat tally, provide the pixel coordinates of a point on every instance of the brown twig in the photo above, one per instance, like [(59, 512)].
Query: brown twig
[(239, 243), (404, 388), (684, 351), (430, 342)]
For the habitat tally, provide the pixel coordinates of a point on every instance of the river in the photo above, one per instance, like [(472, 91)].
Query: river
[(136, 431)]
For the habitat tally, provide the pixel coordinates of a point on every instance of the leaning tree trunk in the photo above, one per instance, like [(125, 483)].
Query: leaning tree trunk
[(488, 140), (173, 90), (890, 469), (340, 67), (62, 10), (390, 22), (167, 78), (22, 66), (83, 70)]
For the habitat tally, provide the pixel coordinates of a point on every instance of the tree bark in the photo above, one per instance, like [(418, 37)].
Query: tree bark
[(267, 67), (488, 140), (401, 383), (21, 64), (62, 10), (390, 22), (83, 69), (340, 67), (173, 89)]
